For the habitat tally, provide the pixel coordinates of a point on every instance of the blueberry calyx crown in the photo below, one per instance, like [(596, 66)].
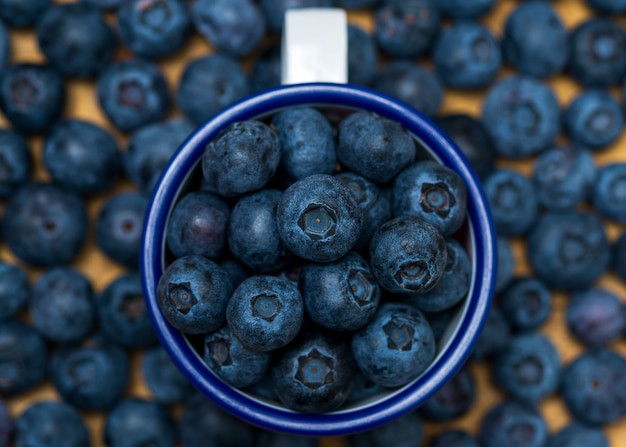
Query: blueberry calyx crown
[(315, 369), (24, 92), (265, 306), (399, 334), (318, 221), (219, 350), (412, 274), (526, 118), (182, 297), (573, 249), (436, 198), (361, 286), (529, 370), (133, 306), (131, 94)]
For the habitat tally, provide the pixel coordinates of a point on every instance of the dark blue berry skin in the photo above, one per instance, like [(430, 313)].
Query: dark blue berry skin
[(319, 219), (535, 40), (122, 313), (461, 9), (618, 256), (307, 143), (341, 295), (105, 5), (138, 422), (193, 293), (506, 264), (374, 147), (266, 72), (594, 119), (452, 400), (15, 162), (595, 53), (62, 305), (242, 159), (513, 423), (153, 28), (253, 235), (440, 321), (522, 116), (494, 337), (5, 47), (150, 148), (568, 250), (596, 317), (235, 269), (274, 10), (14, 290), (467, 56), (165, 381), (396, 346), (472, 139), (593, 387), (411, 83), (607, 6), (119, 227), (197, 226), (23, 357), (82, 156), (454, 438), (404, 431), (267, 438), (513, 201), (432, 191), (529, 368), (53, 424), (313, 374), (91, 374), (563, 177), (526, 303), (232, 27), (356, 4), (235, 364), (608, 193), (75, 39), (578, 435), (406, 29), (32, 96), (265, 312), (362, 56), (209, 84), (132, 94), (6, 425), (22, 13), (408, 255), (363, 388), (45, 224)]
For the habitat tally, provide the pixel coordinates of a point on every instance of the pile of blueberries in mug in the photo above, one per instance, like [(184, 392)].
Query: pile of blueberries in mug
[(80, 364)]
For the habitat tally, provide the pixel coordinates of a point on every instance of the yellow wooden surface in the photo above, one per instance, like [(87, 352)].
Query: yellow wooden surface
[(82, 103)]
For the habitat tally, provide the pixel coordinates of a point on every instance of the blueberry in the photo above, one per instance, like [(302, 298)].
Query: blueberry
[(618, 256), (494, 337), (526, 303), (105, 5), (138, 422), (594, 119), (266, 71), (313, 374), (467, 56), (274, 10), (153, 28), (461, 9), (267, 438), (62, 305), (318, 218), (75, 39), (454, 438), (568, 250), (82, 156), (363, 389), (91, 374), (165, 381), (440, 321), (53, 424), (230, 360), (235, 269), (6, 425), (506, 263), (396, 346), (197, 225), (150, 148), (404, 431), (32, 96), (307, 143), (452, 400), (242, 159), (406, 29), (45, 224), (563, 177), (22, 13), (23, 357), (14, 290), (208, 84), (595, 56), (608, 193), (119, 227), (5, 47), (341, 295), (578, 435), (132, 94), (535, 40), (593, 387), (513, 201), (513, 423), (356, 4), (607, 6), (234, 27), (193, 293), (411, 83), (374, 147), (595, 316), (362, 56), (522, 116)]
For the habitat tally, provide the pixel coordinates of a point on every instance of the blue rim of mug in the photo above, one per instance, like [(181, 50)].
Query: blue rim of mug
[(256, 411)]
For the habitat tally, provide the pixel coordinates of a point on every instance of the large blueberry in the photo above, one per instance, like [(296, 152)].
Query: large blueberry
[(14, 290), (53, 424), (15, 162), (595, 316), (23, 357), (166, 382), (608, 192), (526, 303), (454, 399), (594, 119), (512, 423)]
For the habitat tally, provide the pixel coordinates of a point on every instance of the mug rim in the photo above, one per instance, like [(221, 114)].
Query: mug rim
[(349, 421)]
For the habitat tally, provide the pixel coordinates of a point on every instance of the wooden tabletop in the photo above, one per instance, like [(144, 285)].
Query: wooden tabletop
[(82, 103)]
